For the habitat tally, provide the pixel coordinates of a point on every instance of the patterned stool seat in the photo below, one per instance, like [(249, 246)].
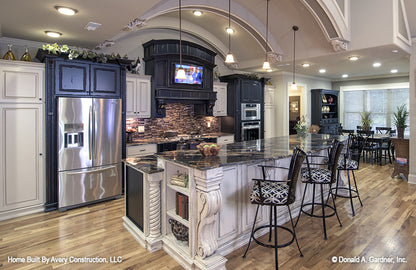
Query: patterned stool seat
[(350, 164), (273, 192), (318, 175)]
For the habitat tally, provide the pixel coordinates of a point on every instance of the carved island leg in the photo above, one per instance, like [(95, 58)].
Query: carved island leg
[(208, 206), (208, 197), (153, 220)]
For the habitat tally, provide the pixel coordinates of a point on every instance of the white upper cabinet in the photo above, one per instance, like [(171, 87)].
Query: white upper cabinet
[(138, 96), (21, 82), (220, 108)]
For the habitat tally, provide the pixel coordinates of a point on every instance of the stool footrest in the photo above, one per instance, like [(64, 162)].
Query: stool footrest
[(319, 204), (275, 227), (342, 195)]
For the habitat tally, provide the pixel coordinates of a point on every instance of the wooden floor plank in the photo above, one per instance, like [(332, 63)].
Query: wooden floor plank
[(384, 227)]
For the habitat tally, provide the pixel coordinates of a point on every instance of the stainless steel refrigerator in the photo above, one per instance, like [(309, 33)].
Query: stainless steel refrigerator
[(89, 150)]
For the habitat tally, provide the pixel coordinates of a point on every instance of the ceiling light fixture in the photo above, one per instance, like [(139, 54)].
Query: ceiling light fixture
[(266, 64), (377, 64), (394, 71), (294, 86), (229, 59), (395, 51), (53, 34), (197, 12), (306, 65), (353, 58), (322, 70), (180, 73), (229, 30), (66, 10), (345, 75)]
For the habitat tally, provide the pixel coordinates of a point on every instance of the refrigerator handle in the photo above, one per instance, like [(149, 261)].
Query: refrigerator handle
[(90, 133), (93, 171), (94, 113)]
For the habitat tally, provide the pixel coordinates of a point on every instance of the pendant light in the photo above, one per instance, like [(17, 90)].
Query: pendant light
[(266, 64), (229, 59), (180, 73), (294, 86)]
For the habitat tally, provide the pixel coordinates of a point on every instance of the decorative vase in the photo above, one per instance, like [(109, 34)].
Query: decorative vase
[(400, 132), (26, 56), (9, 54)]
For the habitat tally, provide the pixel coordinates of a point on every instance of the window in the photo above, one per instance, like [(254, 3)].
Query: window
[(382, 103)]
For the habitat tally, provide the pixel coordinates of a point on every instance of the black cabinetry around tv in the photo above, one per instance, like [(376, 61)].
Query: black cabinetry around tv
[(324, 110)]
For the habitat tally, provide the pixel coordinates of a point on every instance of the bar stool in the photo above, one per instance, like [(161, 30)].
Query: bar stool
[(321, 176), (275, 193), (350, 162)]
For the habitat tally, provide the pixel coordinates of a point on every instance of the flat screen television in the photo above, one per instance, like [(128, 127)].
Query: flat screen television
[(193, 74)]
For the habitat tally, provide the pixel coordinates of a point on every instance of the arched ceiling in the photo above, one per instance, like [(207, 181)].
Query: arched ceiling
[(28, 20)]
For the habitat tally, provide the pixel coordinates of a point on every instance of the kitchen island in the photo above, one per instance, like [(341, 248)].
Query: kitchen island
[(218, 213)]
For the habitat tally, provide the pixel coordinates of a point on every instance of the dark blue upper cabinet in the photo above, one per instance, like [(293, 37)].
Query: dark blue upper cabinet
[(105, 80), (72, 78), (83, 78)]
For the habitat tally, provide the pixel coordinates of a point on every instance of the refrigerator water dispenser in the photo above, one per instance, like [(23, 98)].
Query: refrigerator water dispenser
[(74, 135)]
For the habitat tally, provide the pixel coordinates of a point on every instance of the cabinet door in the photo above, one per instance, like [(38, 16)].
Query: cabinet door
[(21, 83), (72, 78), (220, 108), (130, 97), (251, 92), (143, 96), (21, 149), (105, 80), (269, 122)]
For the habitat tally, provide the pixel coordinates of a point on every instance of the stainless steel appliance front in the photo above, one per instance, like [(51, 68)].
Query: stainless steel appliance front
[(250, 130), (250, 111), (89, 150)]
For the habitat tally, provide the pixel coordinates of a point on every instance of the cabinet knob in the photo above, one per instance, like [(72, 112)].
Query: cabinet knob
[(40, 98), (40, 154)]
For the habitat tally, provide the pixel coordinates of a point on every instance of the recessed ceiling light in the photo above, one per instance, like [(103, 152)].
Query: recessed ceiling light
[(376, 64), (322, 70), (344, 75), (53, 34), (393, 71), (305, 65), (229, 30), (353, 58), (66, 10), (395, 51), (197, 12)]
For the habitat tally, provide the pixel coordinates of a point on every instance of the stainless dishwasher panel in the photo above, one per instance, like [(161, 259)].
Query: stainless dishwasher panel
[(87, 185)]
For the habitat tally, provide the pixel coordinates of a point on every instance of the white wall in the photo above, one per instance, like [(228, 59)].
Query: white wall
[(412, 116), (282, 81)]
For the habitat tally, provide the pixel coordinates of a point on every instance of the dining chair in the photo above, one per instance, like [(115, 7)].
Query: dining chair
[(347, 132), (370, 149), (385, 146), (383, 130)]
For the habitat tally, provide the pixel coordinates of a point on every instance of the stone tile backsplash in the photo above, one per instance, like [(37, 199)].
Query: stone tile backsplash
[(179, 117)]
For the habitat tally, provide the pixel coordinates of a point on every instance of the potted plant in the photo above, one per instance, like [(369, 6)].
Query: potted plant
[(366, 120), (300, 127), (400, 117)]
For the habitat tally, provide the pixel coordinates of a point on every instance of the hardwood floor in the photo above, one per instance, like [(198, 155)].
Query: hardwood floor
[(385, 226)]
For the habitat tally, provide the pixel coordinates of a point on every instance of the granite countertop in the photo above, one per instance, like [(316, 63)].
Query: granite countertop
[(145, 164), (251, 151), (159, 140)]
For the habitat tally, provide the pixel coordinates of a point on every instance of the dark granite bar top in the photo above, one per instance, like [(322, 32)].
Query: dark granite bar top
[(146, 164), (159, 140), (251, 151)]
